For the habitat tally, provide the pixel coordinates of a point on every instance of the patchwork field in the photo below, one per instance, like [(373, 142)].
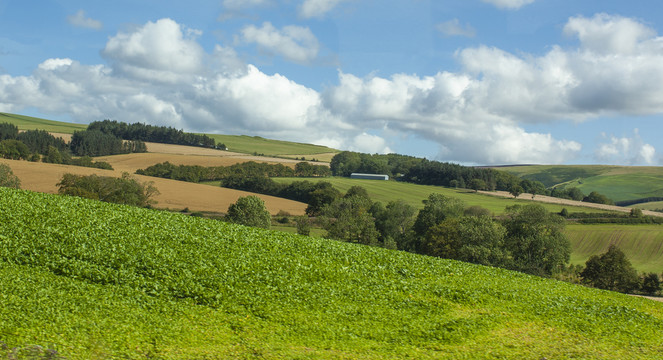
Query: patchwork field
[(91, 280), (413, 194), (174, 195), (616, 182)]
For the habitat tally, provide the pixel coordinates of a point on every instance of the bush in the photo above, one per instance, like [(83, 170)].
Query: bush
[(125, 190), (611, 271), (249, 211), (7, 177)]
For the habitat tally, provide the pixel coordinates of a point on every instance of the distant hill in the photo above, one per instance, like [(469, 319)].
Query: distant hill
[(619, 183), (87, 279), (236, 143)]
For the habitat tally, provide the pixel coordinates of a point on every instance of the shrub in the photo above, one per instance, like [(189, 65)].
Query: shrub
[(125, 190), (7, 177), (611, 271), (249, 211)]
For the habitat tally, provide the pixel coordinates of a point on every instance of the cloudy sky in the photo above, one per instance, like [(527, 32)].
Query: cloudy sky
[(468, 81)]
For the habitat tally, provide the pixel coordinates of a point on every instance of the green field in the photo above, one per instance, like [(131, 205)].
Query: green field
[(413, 194), (258, 145), (96, 280), (616, 182), (32, 123), (236, 143), (642, 244)]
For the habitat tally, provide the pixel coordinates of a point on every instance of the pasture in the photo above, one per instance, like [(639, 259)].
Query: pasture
[(413, 194), (94, 280), (642, 244), (32, 123), (616, 182), (261, 146)]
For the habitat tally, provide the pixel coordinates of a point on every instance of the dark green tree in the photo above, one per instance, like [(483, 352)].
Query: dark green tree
[(324, 194), (349, 219), (597, 198), (125, 190), (535, 238), (345, 163), (611, 271), (249, 211), (14, 149), (394, 223), (477, 184), (475, 239), (651, 284), (436, 209), (7, 177), (516, 190)]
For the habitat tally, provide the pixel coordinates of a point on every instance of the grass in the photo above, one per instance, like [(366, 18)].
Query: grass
[(642, 244), (616, 182), (32, 123), (413, 194), (258, 145), (96, 280)]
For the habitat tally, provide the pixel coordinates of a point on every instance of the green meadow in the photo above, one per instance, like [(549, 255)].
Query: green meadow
[(32, 123), (258, 145), (642, 244), (616, 182), (413, 194), (83, 279)]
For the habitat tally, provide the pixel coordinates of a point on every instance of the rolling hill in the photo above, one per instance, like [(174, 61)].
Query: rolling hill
[(83, 279)]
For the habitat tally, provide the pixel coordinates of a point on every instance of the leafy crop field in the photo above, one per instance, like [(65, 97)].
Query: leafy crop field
[(97, 280), (413, 194), (616, 182), (642, 244)]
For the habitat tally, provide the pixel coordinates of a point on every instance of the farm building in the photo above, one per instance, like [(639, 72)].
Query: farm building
[(369, 176)]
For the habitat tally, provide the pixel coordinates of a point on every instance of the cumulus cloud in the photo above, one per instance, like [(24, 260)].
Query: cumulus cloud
[(317, 8), (294, 43), (625, 150), (454, 28), (509, 4), (159, 73), (80, 20)]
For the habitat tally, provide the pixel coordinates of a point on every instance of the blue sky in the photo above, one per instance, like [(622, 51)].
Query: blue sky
[(468, 81)]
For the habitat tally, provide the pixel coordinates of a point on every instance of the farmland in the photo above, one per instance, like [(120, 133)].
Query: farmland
[(175, 195), (96, 280), (642, 244), (413, 194), (616, 182)]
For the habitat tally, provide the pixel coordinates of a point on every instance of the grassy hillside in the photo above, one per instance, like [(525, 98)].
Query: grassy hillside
[(258, 145), (96, 280), (642, 244), (235, 143), (32, 123), (616, 182), (413, 194)]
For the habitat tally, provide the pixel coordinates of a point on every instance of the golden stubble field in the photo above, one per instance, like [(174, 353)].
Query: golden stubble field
[(174, 195)]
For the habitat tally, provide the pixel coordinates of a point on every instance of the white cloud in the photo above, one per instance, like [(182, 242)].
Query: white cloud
[(607, 34), (509, 4), (80, 20), (454, 28), (317, 8), (294, 43), (159, 73), (625, 150), (158, 51)]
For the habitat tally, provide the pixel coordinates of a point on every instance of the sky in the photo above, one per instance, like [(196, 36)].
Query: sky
[(475, 82)]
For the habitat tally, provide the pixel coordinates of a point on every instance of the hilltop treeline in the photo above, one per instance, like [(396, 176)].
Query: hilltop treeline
[(250, 169), (426, 172), (39, 145), (158, 134)]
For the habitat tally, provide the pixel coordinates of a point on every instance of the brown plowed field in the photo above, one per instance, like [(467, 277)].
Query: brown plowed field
[(175, 195)]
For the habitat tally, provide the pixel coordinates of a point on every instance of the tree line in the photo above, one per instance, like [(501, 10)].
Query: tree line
[(426, 172), (151, 133), (39, 145), (246, 170)]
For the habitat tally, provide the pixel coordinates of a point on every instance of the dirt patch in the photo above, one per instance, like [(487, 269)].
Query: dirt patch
[(554, 200), (175, 195)]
